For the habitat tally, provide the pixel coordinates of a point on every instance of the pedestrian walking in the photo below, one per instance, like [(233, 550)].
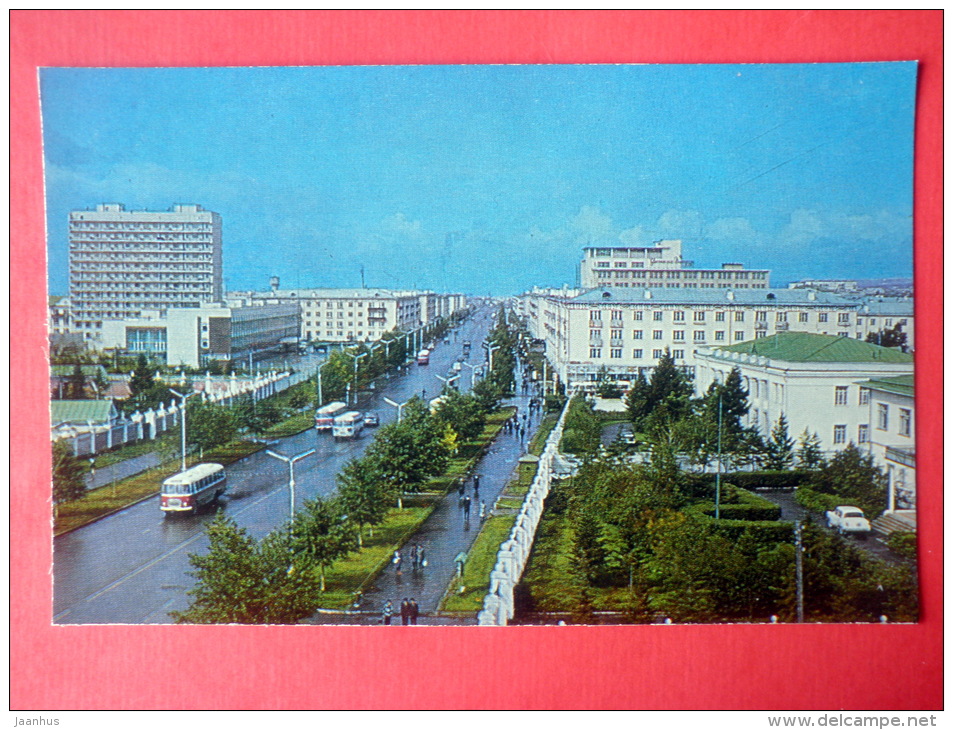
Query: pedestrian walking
[(405, 612), (413, 558), (462, 488), (476, 485), (482, 511), (398, 560), (422, 556), (387, 613), (414, 611), (466, 509)]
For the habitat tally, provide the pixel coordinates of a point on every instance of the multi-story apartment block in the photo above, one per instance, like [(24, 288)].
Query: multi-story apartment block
[(60, 316), (661, 267), (813, 379), (356, 315), (615, 333), (125, 262)]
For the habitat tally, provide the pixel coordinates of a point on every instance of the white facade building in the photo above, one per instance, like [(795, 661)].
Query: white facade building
[(891, 413), (357, 315), (661, 266), (813, 379), (123, 263), (618, 332)]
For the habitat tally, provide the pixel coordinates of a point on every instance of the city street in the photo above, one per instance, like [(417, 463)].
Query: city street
[(131, 567)]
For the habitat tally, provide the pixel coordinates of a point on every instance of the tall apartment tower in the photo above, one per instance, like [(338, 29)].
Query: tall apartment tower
[(125, 262)]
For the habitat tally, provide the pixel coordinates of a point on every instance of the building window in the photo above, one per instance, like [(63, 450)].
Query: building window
[(636, 334), (595, 334), (595, 353), (656, 354), (719, 316), (657, 316), (637, 316), (760, 316), (615, 334), (781, 317), (739, 336), (802, 317), (699, 316), (883, 416), (678, 354), (822, 317), (656, 334), (840, 395), (840, 434), (739, 316), (678, 335), (864, 397), (678, 316), (637, 354), (905, 421), (699, 335), (595, 315), (720, 336), (843, 318), (615, 352), (863, 433)]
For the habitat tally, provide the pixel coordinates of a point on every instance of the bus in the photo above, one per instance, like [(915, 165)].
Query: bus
[(423, 357), (190, 489), (348, 425), (324, 416)]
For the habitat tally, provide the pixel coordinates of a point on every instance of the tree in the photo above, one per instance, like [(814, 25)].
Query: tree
[(462, 412), (364, 495), (209, 424), (889, 337), (242, 581), (606, 387), (487, 394), (780, 448), (76, 384), (69, 474), (809, 454), (637, 400), (142, 377), (322, 534), (666, 395), (853, 476)]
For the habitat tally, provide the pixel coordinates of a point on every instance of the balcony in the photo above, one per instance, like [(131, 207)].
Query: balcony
[(906, 457), (781, 326), (761, 325)]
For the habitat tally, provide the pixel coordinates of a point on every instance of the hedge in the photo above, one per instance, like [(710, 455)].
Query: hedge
[(904, 544), (739, 504), (815, 501), (703, 485)]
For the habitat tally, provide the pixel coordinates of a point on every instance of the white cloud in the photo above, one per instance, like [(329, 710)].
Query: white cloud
[(680, 224), (398, 223), (803, 227), (635, 236), (732, 229), (591, 225)]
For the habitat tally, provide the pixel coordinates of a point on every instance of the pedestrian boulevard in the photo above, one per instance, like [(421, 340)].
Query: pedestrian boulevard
[(443, 536)]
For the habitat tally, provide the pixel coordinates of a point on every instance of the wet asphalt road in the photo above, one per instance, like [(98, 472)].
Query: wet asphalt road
[(131, 567)]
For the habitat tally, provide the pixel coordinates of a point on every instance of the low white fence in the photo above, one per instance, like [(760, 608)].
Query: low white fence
[(148, 425), (511, 559)]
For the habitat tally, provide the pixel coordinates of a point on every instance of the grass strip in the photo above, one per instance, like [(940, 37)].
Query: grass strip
[(476, 571), (290, 426), (165, 442), (105, 500)]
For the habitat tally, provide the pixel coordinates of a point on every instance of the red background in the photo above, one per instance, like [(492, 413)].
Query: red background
[(631, 667)]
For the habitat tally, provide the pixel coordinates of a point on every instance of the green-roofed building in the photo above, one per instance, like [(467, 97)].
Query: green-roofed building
[(891, 413), (813, 379), (80, 413)]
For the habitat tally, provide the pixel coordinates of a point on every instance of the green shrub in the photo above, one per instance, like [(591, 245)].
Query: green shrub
[(903, 543), (814, 501)]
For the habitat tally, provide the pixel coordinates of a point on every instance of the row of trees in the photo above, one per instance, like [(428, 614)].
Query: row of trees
[(279, 579)]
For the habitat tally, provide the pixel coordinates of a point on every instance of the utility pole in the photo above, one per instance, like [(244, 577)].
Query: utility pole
[(718, 473), (291, 478), (799, 567), (182, 412)]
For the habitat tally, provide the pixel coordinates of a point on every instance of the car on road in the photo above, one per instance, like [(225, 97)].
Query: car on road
[(371, 419), (848, 520)]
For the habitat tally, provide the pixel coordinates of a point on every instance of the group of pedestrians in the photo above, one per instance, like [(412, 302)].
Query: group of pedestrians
[(466, 503), (418, 559), (409, 611)]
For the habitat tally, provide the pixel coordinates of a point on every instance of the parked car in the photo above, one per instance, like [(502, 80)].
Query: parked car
[(848, 520), (371, 419)]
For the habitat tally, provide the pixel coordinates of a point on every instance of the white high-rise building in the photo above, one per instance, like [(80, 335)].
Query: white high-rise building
[(125, 262)]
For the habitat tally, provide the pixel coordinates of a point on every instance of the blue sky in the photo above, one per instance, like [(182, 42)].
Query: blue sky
[(492, 178)]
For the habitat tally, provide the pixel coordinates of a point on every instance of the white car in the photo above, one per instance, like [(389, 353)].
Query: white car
[(848, 520)]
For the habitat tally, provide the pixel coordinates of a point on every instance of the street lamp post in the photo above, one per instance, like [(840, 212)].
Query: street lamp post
[(320, 394), (398, 406), (448, 381), (473, 369), (489, 349), (291, 479), (356, 357), (182, 411)]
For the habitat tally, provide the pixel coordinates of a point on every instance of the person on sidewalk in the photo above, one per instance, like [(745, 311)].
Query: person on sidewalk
[(414, 611), (466, 509), (482, 511), (405, 612), (476, 486), (421, 556), (413, 558), (387, 613), (398, 560)]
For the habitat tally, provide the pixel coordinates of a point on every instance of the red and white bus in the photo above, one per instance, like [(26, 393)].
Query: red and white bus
[(423, 357), (190, 489), (348, 425), (325, 415)]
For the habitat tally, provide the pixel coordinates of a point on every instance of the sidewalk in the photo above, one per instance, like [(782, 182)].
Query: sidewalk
[(443, 536), (122, 469)]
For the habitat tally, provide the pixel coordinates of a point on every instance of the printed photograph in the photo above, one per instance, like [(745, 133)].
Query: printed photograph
[(482, 345)]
